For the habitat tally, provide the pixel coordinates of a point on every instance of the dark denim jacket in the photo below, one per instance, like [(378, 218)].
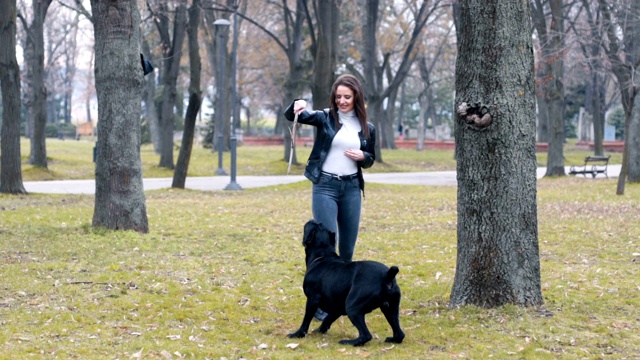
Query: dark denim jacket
[(325, 124)]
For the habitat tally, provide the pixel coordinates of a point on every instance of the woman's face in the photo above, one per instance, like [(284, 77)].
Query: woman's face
[(344, 98)]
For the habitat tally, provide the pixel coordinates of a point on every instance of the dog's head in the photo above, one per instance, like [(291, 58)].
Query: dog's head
[(318, 240)]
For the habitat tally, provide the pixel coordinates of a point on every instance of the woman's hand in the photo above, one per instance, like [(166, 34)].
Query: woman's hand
[(354, 154), (299, 106)]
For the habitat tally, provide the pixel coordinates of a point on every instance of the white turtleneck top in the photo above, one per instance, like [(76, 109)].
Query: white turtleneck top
[(346, 138)]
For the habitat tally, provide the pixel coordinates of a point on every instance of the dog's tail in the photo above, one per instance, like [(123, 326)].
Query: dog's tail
[(391, 274)]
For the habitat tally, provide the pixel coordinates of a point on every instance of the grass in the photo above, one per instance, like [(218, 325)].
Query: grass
[(68, 159), (219, 276)]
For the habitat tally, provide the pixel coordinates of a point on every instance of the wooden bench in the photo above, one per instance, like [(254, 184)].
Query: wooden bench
[(593, 165)]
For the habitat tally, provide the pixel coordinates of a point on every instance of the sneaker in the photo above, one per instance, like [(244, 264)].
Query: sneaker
[(320, 315)]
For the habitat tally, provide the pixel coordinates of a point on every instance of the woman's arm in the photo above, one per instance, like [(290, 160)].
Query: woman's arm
[(304, 117), (369, 149)]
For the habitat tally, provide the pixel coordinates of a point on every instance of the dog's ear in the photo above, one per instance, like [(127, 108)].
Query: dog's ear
[(332, 238), (310, 229)]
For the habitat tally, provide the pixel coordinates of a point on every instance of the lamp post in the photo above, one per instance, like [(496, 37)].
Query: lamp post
[(233, 185), (222, 26)]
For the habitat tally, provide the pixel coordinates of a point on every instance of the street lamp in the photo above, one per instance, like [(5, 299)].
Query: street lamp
[(223, 25), (233, 185)]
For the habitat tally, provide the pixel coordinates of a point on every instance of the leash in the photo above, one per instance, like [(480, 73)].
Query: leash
[(293, 141)]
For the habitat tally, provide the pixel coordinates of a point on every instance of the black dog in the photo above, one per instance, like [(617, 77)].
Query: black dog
[(341, 287)]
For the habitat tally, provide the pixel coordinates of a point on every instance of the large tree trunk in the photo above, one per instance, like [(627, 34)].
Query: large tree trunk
[(498, 260), (37, 93), (169, 93), (119, 198), (10, 162), (195, 98)]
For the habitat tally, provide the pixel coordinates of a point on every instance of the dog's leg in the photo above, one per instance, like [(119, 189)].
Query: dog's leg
[(357, 319), (391, 312), (309, 311), (326, 323)]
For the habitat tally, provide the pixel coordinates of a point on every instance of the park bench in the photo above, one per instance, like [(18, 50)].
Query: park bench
[(593, 165)]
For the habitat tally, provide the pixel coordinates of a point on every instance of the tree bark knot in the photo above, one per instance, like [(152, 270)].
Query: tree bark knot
[(477, 115)]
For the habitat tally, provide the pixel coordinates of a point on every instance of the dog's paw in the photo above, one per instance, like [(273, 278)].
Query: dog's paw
[(393, 339), (297, 335), (354, 342)]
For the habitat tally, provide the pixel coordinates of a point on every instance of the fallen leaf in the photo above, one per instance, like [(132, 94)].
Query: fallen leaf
[(292, 346), (263, 346), (137, 355), (173, 337)]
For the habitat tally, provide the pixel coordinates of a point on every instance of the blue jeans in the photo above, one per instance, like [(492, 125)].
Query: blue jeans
[(337, 204)]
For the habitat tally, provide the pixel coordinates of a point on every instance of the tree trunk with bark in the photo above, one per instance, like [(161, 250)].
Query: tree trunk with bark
[(218, 53), (169, 92), (36, 91), (293, 84), (195, 98), (325, 58), (543, 113), (554, 89), (597, 105), (149, 100), (498, 258), (10, 161), (633, 174), (119, 197)]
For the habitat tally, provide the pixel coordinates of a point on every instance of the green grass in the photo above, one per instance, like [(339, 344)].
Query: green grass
[(219, 275), (74, 160)]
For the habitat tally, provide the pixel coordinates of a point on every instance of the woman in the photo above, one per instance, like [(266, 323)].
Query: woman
[(344, 145)]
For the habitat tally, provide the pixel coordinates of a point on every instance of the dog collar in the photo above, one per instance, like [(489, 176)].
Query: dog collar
[(314, 260)]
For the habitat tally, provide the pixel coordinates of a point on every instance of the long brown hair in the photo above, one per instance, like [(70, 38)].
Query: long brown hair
[(352, 83)]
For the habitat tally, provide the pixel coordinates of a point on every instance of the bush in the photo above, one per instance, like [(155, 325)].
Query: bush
[(616, 118), (64, 130)]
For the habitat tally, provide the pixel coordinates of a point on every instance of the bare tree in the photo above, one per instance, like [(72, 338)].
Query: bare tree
[(589, 40), (195, 97), (498, 258), (551, 82), (36, 90), (622, 19), (172, 52), (61, 55), (380, 83), (427, 63), (119, 197), (288, 39), (10, 162)]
